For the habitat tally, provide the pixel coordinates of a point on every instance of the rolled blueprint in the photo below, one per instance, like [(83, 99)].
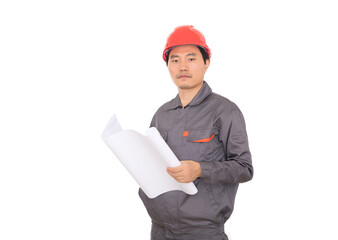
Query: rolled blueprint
[(146, 157)]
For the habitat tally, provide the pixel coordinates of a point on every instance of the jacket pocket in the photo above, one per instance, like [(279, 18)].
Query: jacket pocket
[(200, 209), (197, 143), (205, 139), (200, 135), (156, 207)]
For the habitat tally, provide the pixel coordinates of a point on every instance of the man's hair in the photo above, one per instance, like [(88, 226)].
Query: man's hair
[(202, 50)]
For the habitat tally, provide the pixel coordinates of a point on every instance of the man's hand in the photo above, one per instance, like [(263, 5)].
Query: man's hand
[(187, 172)]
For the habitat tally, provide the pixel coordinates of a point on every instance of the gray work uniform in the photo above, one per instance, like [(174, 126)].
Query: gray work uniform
[(211, 131)]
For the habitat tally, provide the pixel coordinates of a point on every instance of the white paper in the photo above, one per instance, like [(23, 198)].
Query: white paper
[(146, 158)]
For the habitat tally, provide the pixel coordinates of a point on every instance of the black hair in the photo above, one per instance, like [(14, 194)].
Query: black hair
[(202, 50)]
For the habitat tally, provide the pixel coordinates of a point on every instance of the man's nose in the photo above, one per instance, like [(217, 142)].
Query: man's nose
[(183, 67)]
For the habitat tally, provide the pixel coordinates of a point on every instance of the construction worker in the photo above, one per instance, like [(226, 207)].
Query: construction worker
[(207, 134)]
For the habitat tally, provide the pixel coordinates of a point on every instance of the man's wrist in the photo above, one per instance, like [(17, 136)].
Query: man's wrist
[(206, 170), (198, 170)]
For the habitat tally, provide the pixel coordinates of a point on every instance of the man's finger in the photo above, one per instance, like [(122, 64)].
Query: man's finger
[(177, 177), (175, 169)]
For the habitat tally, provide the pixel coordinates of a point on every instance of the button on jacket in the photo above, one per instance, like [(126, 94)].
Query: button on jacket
[(210, 130)]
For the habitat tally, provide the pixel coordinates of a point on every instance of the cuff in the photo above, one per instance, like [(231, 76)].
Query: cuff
[(206, 168)]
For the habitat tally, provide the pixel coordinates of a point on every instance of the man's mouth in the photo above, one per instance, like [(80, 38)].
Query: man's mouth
[(183, 76)]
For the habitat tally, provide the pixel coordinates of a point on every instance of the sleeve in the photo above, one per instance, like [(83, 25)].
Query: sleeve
[(237, 166), (153, 121)]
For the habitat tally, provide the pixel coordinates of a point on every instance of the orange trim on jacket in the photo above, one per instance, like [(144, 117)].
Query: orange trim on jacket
[(205, 139)]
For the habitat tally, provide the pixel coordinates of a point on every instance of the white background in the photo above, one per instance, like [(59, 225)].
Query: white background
[(67, 66)]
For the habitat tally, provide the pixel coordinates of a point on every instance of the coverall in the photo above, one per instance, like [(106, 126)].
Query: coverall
[(210, 130)]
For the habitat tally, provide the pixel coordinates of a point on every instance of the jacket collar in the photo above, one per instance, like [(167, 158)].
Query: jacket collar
[(202, 94)]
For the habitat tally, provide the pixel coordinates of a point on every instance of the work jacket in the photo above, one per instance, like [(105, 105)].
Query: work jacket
[(211, 131)]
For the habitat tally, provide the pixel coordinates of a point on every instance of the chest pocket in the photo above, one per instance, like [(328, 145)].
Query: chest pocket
[(198, 143)]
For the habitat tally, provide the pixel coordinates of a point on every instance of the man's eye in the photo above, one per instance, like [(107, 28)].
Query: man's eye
[(174, 61), (191, 59)]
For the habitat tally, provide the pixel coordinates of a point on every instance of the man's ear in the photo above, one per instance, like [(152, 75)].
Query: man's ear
[(206, 65)]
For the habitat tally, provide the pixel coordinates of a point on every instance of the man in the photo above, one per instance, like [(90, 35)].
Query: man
[(207, 134)]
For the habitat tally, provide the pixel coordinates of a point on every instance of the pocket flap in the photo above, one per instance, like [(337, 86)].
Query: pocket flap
[(204, 135)]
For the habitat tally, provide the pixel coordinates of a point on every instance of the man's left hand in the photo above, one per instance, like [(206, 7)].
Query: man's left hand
[(187, 172)]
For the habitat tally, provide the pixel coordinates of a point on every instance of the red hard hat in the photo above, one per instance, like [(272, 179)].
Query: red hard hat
[(185, 35)]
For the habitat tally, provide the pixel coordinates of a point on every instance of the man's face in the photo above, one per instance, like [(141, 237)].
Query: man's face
[(186, 67)]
